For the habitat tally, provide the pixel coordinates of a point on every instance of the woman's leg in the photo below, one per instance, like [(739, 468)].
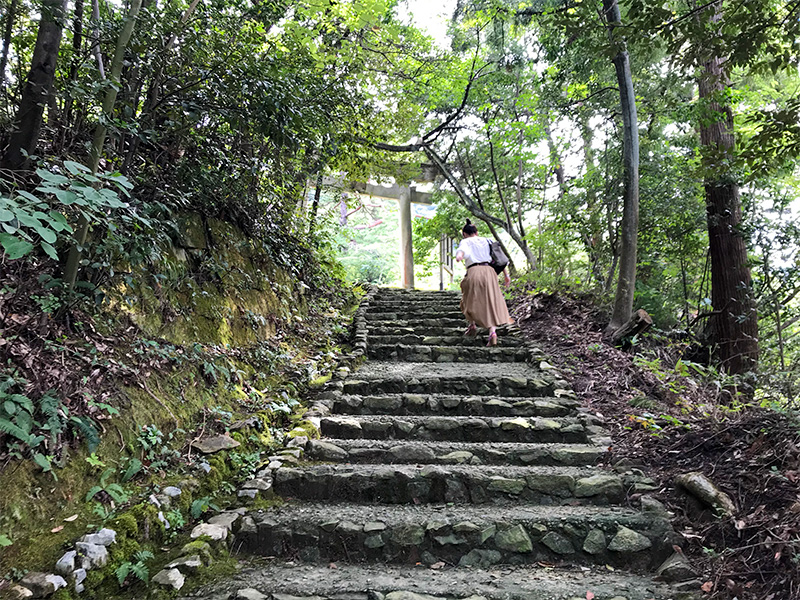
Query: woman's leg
[(492, 336)]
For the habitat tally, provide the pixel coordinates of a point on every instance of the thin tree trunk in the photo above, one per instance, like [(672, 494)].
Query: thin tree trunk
[(28, 123), (592, 238), (77, 43), (468, 202), (100, 132), (96, 39), (626, 282), (7, 33), (312, 219), (733, 328)]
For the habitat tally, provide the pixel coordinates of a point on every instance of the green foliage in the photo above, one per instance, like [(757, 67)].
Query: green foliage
[(136, 566), (114, 490), (157, 450), (201, 506), (30, 221)]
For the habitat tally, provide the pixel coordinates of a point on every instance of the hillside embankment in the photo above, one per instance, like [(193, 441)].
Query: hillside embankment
[(669, 416), (135, 393)]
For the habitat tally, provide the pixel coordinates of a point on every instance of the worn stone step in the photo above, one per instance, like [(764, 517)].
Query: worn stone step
[(437, 404), (419, 322), (433, 452), (278, 580), (433, 484), (457, 429), (414, 303), (401, 293), (463, 535), (428, 331), (502, 379), (413, 339), (407, 315), (440, 354)]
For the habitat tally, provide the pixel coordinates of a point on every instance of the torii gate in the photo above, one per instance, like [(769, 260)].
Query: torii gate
[(405, 196)]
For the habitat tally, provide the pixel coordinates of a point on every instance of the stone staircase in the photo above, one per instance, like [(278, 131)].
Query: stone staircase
[(447, 469)]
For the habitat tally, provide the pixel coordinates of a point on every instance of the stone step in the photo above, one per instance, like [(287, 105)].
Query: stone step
[(457, 429), (463, 535), (430, 314), (421, 322), (401, 293), (441, 354), (448, 332), (412, 339), (505, 379), (433, 452), (435, 484), (416, 303), (436, 404), (278, 580)]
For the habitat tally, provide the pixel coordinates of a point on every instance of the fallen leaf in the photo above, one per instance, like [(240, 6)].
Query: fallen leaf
[(71, 519), (589, 596), (332, 566), (437, 565), (707, 587), (56, 529)]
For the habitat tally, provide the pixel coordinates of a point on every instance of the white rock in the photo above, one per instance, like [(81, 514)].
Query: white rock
[(188, 562), (225, 519), (92, 555), (20, 592), (170, 578), (104, 537), (215, 532), (78, 576), (163, 520), (298, 441), (171, 491), (66, 564), (249, 594), (247, 494)]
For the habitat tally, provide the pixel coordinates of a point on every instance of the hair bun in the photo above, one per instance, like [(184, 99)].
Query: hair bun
[(469, 222)]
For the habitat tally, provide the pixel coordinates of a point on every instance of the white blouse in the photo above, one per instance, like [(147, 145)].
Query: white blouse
[(475, 249)]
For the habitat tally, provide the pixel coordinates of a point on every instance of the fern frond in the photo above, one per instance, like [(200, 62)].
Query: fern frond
[(10, 428), (88, 431)]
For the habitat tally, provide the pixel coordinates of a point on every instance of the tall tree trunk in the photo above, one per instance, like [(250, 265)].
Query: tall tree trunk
[(593, 235), (733, 328), (626, 282), (100, 132), (77, 44), (28, 122), (8, 30)]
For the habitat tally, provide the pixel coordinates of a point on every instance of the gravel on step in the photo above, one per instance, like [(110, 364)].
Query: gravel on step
[(356, 582)]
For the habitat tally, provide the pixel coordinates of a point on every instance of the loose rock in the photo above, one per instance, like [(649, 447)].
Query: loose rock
[(170, 578), (104, 537), (215, 532), (92, 556)]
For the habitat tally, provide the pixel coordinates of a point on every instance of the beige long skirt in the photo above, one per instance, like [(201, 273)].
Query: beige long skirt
[(482, 301)]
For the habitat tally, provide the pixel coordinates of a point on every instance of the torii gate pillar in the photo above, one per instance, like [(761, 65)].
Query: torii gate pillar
[(406, 246)]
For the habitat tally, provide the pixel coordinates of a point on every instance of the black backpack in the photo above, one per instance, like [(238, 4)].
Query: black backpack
[(499, 259)]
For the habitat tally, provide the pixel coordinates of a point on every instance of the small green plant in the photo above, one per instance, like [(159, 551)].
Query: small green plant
[(137, 567), (113, 490), (95, 461), (156, 451), (5, 541), (202, 505)]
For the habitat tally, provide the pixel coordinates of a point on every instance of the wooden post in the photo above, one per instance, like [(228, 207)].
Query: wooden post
[(406, 247)]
